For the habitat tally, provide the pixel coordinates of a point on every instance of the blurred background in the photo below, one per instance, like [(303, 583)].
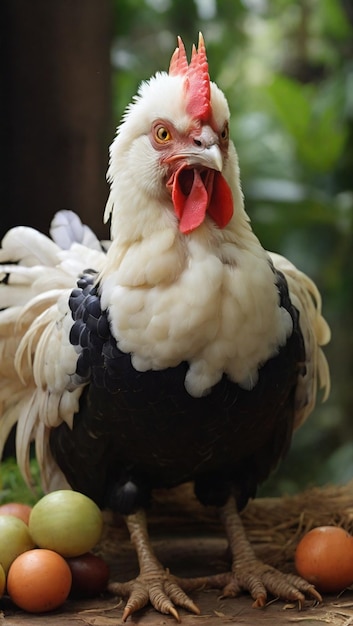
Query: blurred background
[(69, 68)]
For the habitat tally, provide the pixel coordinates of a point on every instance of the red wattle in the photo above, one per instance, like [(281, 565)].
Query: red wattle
[(221, 205)]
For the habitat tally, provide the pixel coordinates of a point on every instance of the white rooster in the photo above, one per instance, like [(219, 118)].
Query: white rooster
[(185, 352)]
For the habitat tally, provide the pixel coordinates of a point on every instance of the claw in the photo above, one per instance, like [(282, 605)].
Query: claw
[(260, 602), (315, 594), (175, 614), (126, 614)]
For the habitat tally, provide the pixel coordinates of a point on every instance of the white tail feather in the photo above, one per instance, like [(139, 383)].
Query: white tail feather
[(29, 246), (66, 229), (316, 333), (36, 357)]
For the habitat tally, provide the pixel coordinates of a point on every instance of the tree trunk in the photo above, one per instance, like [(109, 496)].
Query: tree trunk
[(55, 110)]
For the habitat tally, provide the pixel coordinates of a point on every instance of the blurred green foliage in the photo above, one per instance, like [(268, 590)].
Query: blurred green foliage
[(12, 484), (286, 67)]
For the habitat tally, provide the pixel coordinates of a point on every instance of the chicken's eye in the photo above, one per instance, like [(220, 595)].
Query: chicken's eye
[(225, 133), (162, 134)]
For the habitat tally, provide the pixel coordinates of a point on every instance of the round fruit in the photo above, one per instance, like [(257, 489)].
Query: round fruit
[(39, 581), (22, 511), (67, 522), (15, 538), (324, 557), (90, 575)]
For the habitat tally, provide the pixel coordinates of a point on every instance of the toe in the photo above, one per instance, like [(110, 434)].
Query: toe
[(163, 592), (180, 598), (138, 599), (260, 579), (161, 601)]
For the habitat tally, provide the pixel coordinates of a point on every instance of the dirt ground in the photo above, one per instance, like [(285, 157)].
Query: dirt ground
[(191, 543), (214, 612)]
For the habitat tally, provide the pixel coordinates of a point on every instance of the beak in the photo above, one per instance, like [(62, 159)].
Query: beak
[(209, 156), (205, 156)]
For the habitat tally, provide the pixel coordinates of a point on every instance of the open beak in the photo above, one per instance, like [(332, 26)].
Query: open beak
[(197, 187)]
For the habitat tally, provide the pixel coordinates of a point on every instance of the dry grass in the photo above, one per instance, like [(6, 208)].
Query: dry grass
[(275, 525)]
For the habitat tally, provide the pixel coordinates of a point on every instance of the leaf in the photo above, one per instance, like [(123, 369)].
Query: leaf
[(335, 20), (310, 121), (292, 105)]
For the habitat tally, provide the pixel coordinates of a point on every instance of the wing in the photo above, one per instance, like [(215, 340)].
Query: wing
[(36, 357)]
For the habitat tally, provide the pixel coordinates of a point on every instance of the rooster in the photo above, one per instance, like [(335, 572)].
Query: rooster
[(181, 351)]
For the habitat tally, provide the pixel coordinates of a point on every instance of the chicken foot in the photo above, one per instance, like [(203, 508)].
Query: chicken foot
[(154, 584), (251, 574), (248, 572)]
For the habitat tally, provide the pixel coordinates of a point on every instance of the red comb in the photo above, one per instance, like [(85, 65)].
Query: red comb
[(178, 62), (197, 80)]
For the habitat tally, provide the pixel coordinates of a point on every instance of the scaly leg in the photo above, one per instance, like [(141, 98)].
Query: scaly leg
[(251, 574), (153, 584)]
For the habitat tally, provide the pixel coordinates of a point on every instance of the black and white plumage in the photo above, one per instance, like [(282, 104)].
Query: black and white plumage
[(181, 351), (160, 416)]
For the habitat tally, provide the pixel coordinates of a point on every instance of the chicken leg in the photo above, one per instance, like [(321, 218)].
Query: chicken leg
[(154, 584), (251, 574)]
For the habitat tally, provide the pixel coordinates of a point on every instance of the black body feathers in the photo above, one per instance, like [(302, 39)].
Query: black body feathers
[(139, 430)]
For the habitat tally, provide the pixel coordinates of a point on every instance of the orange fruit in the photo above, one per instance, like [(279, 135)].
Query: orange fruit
[(324, 557), (39, 580)]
